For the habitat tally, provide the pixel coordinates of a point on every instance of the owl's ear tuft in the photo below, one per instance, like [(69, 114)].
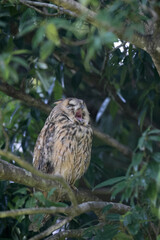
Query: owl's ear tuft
[(59, 101)]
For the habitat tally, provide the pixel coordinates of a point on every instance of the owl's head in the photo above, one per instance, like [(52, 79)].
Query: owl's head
[(74, 109)]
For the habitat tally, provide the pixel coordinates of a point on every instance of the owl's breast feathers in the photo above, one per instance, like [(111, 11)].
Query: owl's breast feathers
[(64, 148)]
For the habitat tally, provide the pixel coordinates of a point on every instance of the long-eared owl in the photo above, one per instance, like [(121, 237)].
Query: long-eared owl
[(64, 144)]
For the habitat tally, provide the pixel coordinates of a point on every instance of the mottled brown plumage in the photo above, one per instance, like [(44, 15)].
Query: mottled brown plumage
[(64, 144)]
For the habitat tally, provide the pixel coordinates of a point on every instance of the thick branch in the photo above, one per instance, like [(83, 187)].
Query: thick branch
[(114, 143), (34, 171), (27, 99), (19, 175)]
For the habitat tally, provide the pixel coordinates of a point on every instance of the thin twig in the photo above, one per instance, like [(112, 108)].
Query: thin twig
[(51, 229), (30, 168), (82, 208), (73, 233), (49, 5), (40, 11), (114, 143)]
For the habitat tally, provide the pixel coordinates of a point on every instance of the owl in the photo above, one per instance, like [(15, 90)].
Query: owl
[(64, 144)]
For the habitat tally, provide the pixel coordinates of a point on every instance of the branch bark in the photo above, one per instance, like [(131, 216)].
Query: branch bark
[(10, 172), (27, 99), (114, 143), (59, 179), (77, 210), (16, 174), (78, 233)]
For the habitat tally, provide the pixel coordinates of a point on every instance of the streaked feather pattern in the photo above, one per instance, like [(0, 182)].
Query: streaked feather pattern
[(64, 144)]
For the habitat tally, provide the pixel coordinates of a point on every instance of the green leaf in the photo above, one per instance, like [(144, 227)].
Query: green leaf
[(142, 117), (46, 49), (58, 91), (43, 80), (118, 188), (52, 33), (40, 197), (42, 65), (26, 29), (154, 138), (20, 202), (137, 159), (110, 182), (156, 157), (21, 51), (123, 236), (154, 131), (141, 143), (38, 37), (31, 202), (148, 145), (158, 237), (108, 37), (108, 232), (21, 190), (50, 193), (113, 217), (152, 192), (20, 61)]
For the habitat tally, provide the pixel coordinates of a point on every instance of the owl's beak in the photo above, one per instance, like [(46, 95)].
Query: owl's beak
[(79, 115)]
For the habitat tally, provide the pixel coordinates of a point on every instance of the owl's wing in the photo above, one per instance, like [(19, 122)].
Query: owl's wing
[(43, 150)]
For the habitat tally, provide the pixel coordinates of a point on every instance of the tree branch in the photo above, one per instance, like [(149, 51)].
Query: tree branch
[(73, 233), (147, 41), (51, 229), (113, 143), (91, 17), (19, 175), (27, 99), (77, 210), (10, 172), (48, 5), (75, 9), (34, 171), (71, 211)]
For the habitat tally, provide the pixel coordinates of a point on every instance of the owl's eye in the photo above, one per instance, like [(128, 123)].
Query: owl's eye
[(72, 103)]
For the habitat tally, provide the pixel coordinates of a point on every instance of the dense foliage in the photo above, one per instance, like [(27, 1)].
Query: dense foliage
[(48, 54)]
